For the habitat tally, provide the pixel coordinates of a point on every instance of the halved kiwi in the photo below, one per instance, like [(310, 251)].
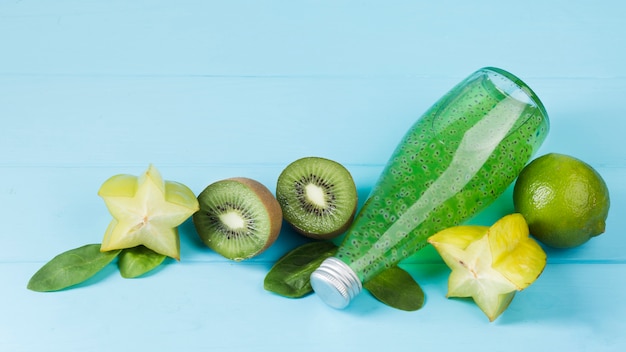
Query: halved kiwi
[(318, 197), (238, 217)]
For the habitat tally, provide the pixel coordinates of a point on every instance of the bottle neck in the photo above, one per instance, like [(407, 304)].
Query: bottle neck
[(335, 283)]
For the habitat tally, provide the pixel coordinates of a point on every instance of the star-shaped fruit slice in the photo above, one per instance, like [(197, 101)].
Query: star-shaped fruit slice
[(490, 264), (146, 211)]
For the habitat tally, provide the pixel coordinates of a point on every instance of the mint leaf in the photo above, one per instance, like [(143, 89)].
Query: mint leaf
[(136, 261), (70, 268), (289, 276), (396, 288)]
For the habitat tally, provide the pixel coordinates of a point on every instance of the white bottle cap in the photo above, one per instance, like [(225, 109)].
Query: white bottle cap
[(335, 283)]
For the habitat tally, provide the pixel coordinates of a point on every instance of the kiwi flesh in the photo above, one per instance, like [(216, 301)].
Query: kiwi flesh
[(318, 197), (238, 218)]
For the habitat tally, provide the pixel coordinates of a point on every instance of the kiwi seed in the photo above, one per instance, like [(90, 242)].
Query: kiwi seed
[(318, 197), (238, 218)]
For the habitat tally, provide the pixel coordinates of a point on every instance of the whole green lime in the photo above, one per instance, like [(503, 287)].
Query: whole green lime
[(564, 200)]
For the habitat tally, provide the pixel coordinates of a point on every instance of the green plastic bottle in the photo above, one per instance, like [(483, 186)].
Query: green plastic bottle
[(458, 158)]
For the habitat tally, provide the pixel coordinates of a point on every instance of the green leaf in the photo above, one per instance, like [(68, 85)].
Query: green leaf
[(396, 288), (136, 261), (289, 276), (70, 268)]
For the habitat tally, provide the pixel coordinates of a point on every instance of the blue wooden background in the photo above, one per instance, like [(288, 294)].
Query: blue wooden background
[(211, 89)]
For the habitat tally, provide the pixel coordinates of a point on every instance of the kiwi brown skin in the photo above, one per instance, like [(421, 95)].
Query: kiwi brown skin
[(268, 201)]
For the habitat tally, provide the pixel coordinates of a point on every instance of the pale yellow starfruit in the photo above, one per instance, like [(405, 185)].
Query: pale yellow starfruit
[(146, 211), (490, 264)]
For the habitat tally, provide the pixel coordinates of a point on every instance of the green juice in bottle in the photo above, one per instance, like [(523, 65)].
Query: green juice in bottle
[(458, 158)]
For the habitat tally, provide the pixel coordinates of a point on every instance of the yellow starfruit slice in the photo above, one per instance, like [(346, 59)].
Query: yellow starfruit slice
[(146, 211), (490, 264), (515, 254)]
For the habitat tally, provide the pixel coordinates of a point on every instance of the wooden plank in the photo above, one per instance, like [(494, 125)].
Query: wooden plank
[(47, 210), (311, 38), (234, 120), (220, 306)]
